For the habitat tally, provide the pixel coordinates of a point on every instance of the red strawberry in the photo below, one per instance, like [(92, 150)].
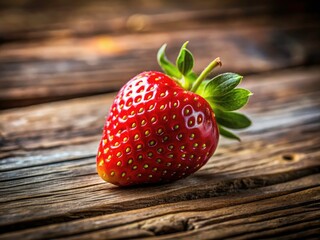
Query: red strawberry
[(163, 128)]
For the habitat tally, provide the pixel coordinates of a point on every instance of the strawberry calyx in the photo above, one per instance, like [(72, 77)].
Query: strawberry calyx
[(221, 91)]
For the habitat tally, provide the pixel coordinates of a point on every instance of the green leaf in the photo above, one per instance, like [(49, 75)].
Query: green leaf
[(231, 101), (166, 65), (200, 90), (186, 81), (184, 60), (224, 132), (192, 76), (222, 84), (232, 119)]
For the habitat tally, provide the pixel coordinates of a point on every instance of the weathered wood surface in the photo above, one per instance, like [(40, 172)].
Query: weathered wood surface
[(33, 19), (268, 185), (65, 57)]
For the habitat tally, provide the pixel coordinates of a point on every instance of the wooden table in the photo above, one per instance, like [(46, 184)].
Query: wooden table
[(267, 186)]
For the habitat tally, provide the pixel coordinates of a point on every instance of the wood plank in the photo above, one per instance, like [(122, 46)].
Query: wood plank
[(50, 125), (214, 221), (219, 217), (267, 186), (71, 67), (52, 184), (23, 20)]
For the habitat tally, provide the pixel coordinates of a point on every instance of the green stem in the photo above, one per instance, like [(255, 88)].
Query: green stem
[(205, 73)]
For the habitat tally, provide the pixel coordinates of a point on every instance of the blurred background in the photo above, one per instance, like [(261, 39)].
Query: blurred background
[(62, 49)]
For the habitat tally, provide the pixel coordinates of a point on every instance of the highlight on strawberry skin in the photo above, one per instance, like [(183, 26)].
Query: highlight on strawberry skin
[(163, 127)]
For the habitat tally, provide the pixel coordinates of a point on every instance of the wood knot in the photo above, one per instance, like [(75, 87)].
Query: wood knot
[(292, 157), (166, 225)]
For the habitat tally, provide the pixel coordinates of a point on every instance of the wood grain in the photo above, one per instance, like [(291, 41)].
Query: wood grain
[(51, 126), (23, 21), (265, 187), (269, 180), (217, 217), (66, 66)]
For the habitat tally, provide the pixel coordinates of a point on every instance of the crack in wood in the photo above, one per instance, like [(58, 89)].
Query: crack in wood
[(210, 222), (214, 190), (192, 222), (165, 225)]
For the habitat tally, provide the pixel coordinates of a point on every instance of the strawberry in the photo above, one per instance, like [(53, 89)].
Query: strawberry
[(163, 127)]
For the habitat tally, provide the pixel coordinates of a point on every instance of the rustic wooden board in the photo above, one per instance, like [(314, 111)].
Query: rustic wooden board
[(280, 209), (22, 20), (100, 54), (53, 125), (267, 185)]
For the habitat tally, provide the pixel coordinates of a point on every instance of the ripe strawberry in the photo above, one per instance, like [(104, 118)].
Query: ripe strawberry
[(165, 127)]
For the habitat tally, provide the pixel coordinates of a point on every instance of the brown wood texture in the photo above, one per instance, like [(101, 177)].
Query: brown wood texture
[(267, 186), (249, 39)]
